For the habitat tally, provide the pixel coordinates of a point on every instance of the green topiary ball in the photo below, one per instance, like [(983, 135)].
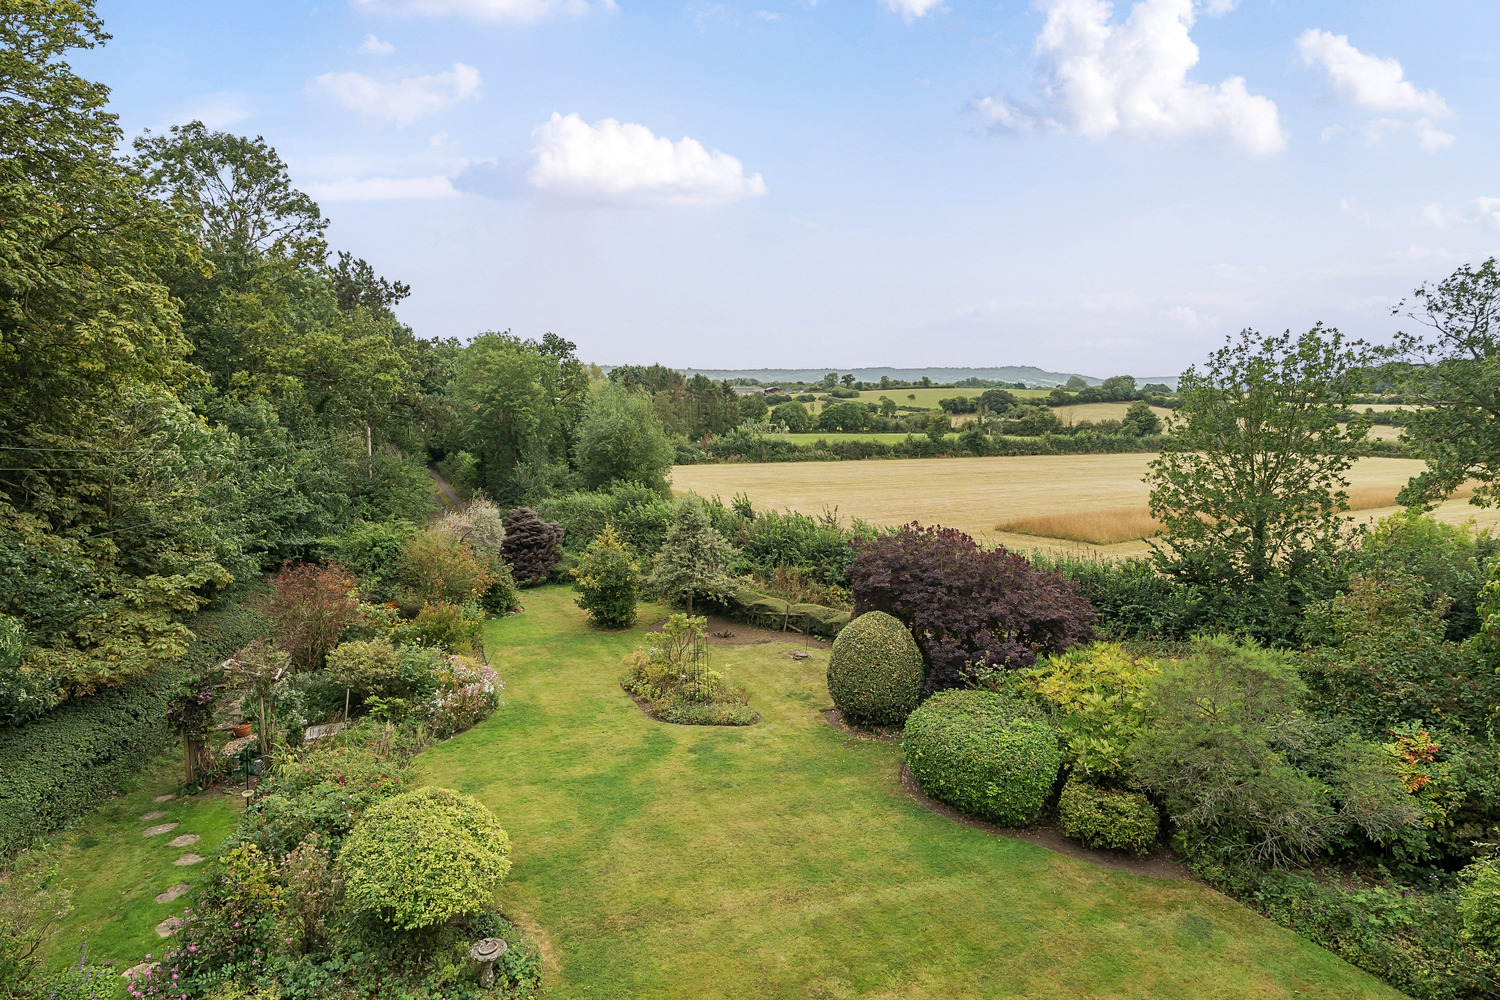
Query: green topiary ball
[(875, 671), (423, 857), (984, 754), (1104, 817)]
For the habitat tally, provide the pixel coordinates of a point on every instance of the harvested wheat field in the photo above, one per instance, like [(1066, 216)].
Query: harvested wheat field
[(1094, 503)]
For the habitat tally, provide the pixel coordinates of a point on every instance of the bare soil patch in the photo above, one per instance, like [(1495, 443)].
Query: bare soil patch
[(723, 631), (1158, 864), (835, 718)]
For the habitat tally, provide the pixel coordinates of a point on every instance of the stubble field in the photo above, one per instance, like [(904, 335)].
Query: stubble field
[(1077, 502)]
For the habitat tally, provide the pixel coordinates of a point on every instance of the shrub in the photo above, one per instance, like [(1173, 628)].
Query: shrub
[(694, 558), (819, 546), (1107, 817), (1098, 693), (875, 671), (674, 678), (309, 607), (322, 793), (606, 578), (424, 857), (438, 568), (364, 668), (982, 753), (1449, 559), (467, 692), (531, 547), (966, 607), (31, 901), (449, 626), (1241, 772), (1479, 903), (372, 550)]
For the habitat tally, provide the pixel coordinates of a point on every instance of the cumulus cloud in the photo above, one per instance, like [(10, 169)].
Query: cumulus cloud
[(910, 10), (611, 162), (384, 189), (1480, 211), (373, 46), (488, 10), (1130, 78), (1367, 81), (404, 101)]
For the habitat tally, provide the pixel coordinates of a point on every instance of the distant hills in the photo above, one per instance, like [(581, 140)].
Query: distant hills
[(1032, 376)]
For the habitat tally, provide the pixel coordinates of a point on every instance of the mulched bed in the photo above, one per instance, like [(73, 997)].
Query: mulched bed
[(835, 718), (723, 631), (1160, 864)]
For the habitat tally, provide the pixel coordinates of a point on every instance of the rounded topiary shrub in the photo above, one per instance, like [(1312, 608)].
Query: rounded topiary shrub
[(1104, 817), (875, 671), (982, 753), (421, 858)]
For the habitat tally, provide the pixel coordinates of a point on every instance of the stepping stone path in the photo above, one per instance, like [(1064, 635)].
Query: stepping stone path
[(152, 831), (188, 859), (168, 927), (153, 814), (176, 892), (164, 798), (186, 840)]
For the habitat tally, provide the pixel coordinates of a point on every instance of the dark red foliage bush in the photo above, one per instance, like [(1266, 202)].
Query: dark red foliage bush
[(967, 607), (531, 546), (309, 607)]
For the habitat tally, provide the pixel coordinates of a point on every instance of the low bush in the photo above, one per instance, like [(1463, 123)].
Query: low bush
[(606, 578), (424, 857), (61, 765), (323, 793), (875, 671), (1107, 817), (984, 754), (309, 607), (452, 627), (372, 550), (437, 568), (673, 678), (1479, 904)]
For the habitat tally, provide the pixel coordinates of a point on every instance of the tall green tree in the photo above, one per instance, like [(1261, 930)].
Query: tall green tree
[(1452, 368), (694, 559), (1252, 482), (620, 440)]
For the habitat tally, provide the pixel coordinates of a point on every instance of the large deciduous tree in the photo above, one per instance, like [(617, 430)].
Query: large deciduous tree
[(1452, 368), (620, 440), (1252, 482)]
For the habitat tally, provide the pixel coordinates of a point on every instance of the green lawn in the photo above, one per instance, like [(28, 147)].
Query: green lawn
[(778, 860)]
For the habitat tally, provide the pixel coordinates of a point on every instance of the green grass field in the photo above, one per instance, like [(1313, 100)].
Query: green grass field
[(815, 436), (781, 860)]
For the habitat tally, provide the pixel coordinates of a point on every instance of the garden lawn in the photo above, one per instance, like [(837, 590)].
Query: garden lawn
[(784, 860), (116, 874)]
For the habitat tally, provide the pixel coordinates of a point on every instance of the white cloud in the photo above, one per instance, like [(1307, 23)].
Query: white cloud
[(626, 164), (215, 111), (1480, 211), (1130, 78), (1367, 81), (404, 101), (384, 189), (373, 46), (488, 10), (910, 10)]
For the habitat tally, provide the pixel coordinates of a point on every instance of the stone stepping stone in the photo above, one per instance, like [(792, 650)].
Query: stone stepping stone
[(139, 970), (186, 840), (168, 927), (176, 892), (152, 831), (188, 859), (153, 814), (164, 798)]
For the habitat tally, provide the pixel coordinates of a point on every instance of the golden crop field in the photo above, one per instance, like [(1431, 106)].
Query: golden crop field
[(1101, 411), (1102, 496)]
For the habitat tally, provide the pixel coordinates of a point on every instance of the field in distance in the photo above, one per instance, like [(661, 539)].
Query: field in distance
[(1043, 501)]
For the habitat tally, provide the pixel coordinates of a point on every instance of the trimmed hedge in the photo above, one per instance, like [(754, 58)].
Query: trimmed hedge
[(1106, 818), (982, 753), (875, 671), (773, 612), (59, 766)]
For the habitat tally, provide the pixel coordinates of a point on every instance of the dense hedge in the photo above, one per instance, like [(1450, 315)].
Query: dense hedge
[(60, 765), (1107, 818), (984, 754), (875, 671)]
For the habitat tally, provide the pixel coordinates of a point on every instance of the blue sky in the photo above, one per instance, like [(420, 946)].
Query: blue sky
[(861, 182)]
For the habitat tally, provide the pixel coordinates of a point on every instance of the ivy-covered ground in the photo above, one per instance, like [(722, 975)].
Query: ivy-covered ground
[(777, 860)]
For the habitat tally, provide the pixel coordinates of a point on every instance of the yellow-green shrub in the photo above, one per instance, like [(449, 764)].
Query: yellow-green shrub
[(875, 671), (1099, 694), (1107, 817), (423, 857)]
